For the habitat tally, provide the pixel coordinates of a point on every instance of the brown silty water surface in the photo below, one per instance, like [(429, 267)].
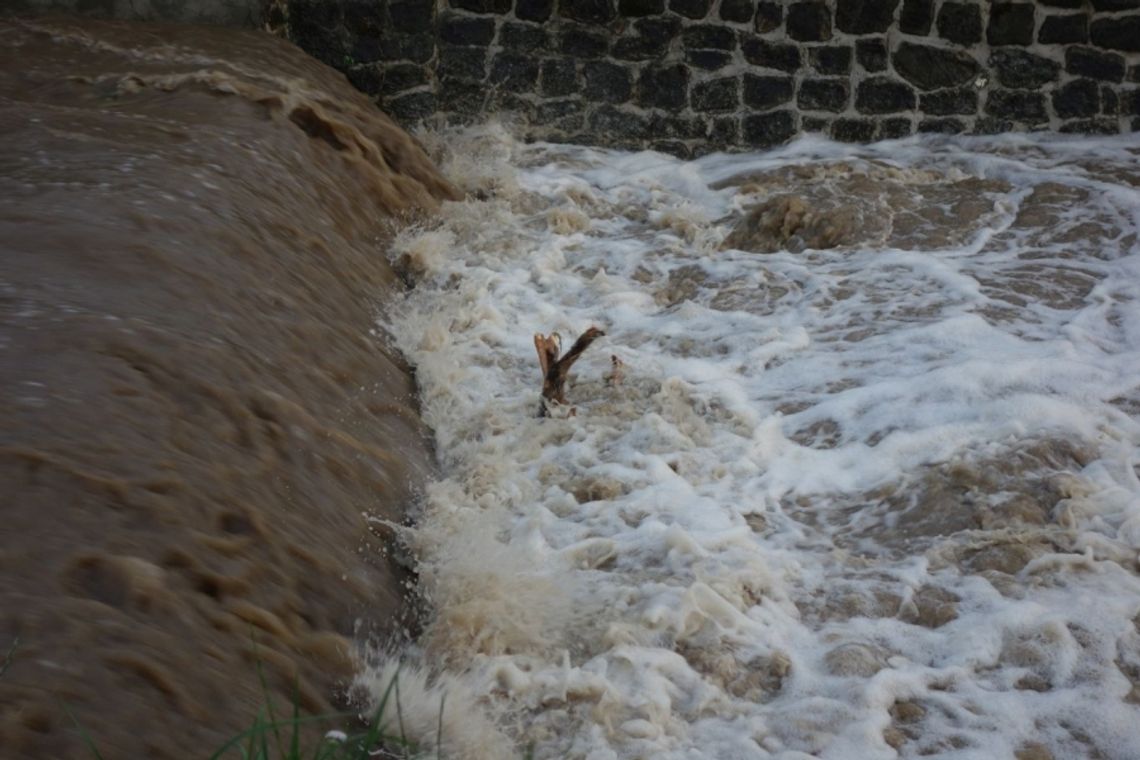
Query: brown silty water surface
[(197, 416)]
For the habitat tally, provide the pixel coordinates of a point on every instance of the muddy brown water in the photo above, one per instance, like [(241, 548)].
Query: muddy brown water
[(197, 415)]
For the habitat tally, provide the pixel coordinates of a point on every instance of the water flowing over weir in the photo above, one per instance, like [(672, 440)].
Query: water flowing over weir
[(867, 487), (198, 412)]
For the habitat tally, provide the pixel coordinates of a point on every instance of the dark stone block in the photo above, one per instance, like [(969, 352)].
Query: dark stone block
[(367, 49), (962, 100), (1120, 33), (652, 39), (823, 95), (990, 125), (941, 126), (768, 129), (1018, 105), (1022, 70), (690, 8), (587, 11), (462, 63), (557, 109), (407, 47), (1064, 29), (931, 68), (563, 115), (319, 22), (465, 30), (834, 60), (769, 16), (509, 103), (1130, 102), (893, 129), (716, 95), (1063, 3), (809, 21), (1092, 63), (368, 78), (582, 44), (482, 6), (523, 38), (1134, 73), (1010, 24), (814, 124), (514, 72), (416, 17), (960, 23), (1078, 98), (1109, 101), (658, 31), (638, 8), (679, 127), (332, 18), (403, 76), (619, 126), (766, 92), (534, 10), (709, 60), (1092, 127), (559, 77), (709, 37), (916, 16), (1109, 6), (864, 16), (724, 131), (739, 11), (878, 95), (663, 87), (462, 97), (853, 130), (411, 108), (871, 54), (771, 55), (606, 82)]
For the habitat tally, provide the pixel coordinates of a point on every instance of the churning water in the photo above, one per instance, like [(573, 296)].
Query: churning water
[(861, 482)]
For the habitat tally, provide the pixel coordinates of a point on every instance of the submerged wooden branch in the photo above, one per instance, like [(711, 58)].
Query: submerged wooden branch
[(555, 368)]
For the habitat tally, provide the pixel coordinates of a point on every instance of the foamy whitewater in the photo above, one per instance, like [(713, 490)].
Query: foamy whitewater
[(870, 501)]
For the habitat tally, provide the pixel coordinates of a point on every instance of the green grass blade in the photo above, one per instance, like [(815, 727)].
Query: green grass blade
[(8, 657), (257, 729), (295, 736), (400, 715), (83, 733), (439, 729), (267, 696), (375, 727)]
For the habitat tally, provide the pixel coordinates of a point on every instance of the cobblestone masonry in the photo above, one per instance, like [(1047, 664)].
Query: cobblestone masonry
[(689, 76)]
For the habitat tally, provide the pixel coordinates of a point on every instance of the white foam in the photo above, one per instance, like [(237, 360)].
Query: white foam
[(708, 560)]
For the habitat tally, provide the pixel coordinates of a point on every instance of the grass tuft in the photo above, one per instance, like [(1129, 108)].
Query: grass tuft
[(8, 657), (273, 738), (270, 738)]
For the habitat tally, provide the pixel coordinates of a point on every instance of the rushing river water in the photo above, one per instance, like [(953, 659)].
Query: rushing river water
[(195, 408), (860, 483), (852, 474)]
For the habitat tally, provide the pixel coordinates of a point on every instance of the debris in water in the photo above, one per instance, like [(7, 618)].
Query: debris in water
[(555, 369)]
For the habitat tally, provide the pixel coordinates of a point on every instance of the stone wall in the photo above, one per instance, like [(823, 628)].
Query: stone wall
[(689, 76), (693, 75)]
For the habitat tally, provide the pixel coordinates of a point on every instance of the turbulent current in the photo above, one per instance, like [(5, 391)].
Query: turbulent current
[(853, 473)]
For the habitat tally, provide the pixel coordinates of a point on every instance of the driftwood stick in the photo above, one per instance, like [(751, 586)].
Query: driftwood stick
[(555, 368), (617, 371)]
